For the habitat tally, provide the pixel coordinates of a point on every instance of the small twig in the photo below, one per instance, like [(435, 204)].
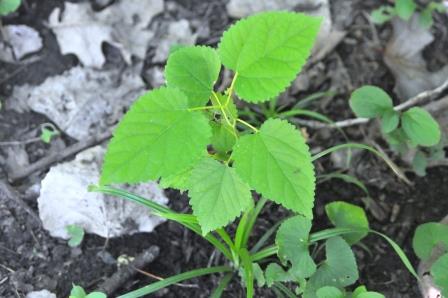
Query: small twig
[(116, 281), (47, 161), (6, 191), (421, 97)]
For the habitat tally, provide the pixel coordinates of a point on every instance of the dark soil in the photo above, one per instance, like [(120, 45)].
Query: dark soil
[(32, 260)]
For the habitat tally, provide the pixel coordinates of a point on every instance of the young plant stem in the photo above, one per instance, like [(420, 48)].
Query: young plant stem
[(221, 107), (253, 215), (203, 108), (247, 124), (248, 272), (230, 90)]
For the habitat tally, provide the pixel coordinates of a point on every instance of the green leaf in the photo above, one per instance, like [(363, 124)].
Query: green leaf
[(276, 162), (345, 215), (292, 240), (178, 181), (76, 234), (390, 120), (224, 137), (369, 294), (96, 295), (77, 292), (258, 274), (267, 51), (383, 14), (439, 272), (370, 102), (425, 18), (8, 6), (275, 273), (218, 195), (420, 127), (157, 137), (329, 292), (405, 8), (194, 70), (427, 236), (339, 269)]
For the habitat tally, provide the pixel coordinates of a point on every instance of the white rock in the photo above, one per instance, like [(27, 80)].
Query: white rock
[(82, 101), (41, 294), (81, 31), (178, 33), (24, 40), (64, 200)]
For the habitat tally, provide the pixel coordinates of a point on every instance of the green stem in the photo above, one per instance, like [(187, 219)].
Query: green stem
[(248, 272), (386, 159), (253, 215), (173, 280), (203, 108), (222, 285), (247, 124)]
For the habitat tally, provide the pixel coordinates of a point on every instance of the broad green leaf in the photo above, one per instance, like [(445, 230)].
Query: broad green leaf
[(383, 14), (77, 292), (96, 295), (361, 292), (439, 272), (339, 269), (420, 127), (224, 136), (178, 181), (370, 102), (427, 236), (275, 273), (76, 234), (329, 292), (258, 274), (389, 121), (345, 215), (218, 195), (157, 137), (267, 51), (292, 240), (370, 294), (405, 8), (276, 162), (194, 70), (8, 6)]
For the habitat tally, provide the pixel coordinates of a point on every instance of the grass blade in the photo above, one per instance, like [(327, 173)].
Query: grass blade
[(173, 280)]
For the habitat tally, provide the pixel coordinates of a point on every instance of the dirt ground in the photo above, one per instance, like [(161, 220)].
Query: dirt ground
[(32, 260)]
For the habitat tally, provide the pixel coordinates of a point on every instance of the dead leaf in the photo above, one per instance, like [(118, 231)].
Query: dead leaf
[(403, 56), (81, 31)]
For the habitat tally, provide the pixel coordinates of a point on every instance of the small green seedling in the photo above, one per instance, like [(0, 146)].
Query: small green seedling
[(47, 132), (193, 139), (411, 129), (405, 9), (8, 6), (76, 234), (79, 292), (432, 238)]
